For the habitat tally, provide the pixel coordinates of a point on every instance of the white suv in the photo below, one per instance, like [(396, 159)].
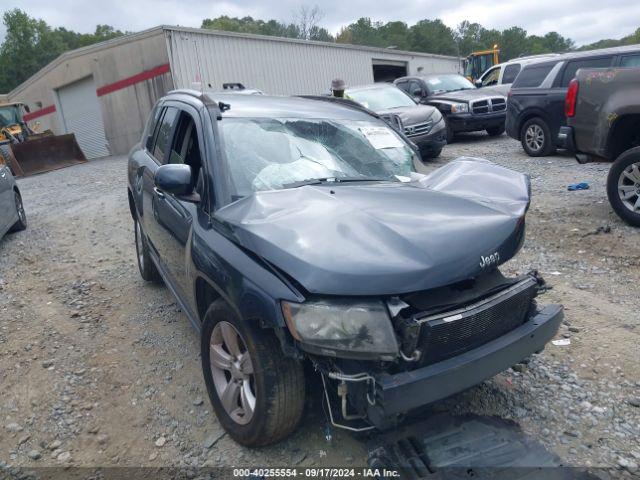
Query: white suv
[(501, 76)]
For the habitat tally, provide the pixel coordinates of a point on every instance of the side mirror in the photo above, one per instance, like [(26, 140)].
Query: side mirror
[(418, 94), (27, 109), (176, 179), (478, 83)]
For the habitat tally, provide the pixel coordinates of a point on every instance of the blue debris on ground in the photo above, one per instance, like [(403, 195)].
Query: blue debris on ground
[(578, 186)]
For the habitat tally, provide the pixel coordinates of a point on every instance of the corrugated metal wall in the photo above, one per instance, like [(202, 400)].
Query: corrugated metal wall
[(277, 66)]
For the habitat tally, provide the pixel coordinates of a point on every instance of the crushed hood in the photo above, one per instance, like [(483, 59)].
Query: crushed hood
[(387, 238)]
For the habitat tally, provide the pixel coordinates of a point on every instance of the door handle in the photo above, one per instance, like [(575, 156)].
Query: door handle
[(158, 192)]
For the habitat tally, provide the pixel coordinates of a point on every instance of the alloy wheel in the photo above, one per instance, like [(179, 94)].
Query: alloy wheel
[(233, 374), (534, 137), (139, 246), (629, 187), (20, 208)]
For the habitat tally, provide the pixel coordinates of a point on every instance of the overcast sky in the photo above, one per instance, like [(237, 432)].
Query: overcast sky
[(584, 21)]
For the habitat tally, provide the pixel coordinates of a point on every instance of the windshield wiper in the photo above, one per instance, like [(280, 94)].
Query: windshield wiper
[(334, 180)]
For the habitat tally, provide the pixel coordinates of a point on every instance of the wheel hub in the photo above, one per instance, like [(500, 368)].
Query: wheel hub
[(534, 137), (629, 187), (232, 372), (236, 371)]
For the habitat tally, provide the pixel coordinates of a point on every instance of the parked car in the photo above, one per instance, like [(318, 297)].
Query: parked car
[(535, 110), (464, 107), (295, 231), (422, 124), (501, 76), (12, 215), (603, 123)]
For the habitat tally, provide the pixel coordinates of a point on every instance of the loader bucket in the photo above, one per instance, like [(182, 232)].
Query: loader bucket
[(44, 153)]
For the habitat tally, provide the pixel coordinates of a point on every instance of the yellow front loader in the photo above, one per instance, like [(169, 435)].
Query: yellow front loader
[(27, 151), (479, 62)]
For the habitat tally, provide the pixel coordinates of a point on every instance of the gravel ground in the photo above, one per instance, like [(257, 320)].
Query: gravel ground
[(99, 368)]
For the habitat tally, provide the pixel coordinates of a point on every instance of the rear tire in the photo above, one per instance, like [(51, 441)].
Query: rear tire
[(273, 406), (148, 269), (495, 131), (21, 224), (535, 137), (623, 186)]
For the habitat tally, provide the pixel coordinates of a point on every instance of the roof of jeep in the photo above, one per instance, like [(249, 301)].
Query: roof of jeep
[(267, 106)]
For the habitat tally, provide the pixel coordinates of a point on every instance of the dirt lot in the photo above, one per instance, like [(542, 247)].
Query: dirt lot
[(99, 368)]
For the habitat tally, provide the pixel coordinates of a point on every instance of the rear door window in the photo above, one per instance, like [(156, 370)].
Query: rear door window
[(163, 135), (630, 61), (533, 75), (510, 73), (575, 65)]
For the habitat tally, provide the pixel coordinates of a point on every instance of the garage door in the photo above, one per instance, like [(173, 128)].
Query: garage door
[(81, 115)]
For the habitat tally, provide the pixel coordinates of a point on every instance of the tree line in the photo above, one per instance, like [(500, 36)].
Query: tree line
[(431, 36), (31, 43)]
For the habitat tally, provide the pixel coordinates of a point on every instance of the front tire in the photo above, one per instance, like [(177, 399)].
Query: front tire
[(495, 131), (535, 137), (148, 269), (623, 186), (431, 153), (257, 393), (449, 130), (21, 223)]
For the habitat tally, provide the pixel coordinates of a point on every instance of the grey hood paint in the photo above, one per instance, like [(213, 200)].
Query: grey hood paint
[(464, 95), (411, 115), (386, 238)]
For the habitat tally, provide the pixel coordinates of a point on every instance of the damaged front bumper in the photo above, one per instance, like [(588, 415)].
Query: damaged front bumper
[(445, 351), (404, 391)]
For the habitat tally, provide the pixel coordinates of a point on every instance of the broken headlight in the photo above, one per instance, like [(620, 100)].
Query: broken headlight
[(343, 328)]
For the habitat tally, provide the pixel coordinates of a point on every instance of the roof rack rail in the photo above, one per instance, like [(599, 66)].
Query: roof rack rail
[(346, 102)]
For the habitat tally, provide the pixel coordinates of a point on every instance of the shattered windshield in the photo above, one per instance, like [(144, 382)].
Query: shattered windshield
[(271, 154), (9, 116)]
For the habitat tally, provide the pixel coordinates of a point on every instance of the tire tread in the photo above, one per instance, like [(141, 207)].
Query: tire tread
[(283, 381)]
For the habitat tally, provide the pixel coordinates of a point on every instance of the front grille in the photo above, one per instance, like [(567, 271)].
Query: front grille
[(488, 105), (448, 334), (499, 104), (418, 129)]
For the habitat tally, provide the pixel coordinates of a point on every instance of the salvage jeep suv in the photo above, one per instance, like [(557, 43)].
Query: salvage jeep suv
[(296, 231)]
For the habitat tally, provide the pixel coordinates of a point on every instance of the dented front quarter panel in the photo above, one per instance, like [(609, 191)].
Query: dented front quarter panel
[(387, 238)]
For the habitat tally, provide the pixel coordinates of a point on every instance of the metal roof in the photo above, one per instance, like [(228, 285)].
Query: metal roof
[(115, 42), (269, 38)]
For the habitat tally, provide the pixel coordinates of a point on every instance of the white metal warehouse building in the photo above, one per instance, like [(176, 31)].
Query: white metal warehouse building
[(102, 93)]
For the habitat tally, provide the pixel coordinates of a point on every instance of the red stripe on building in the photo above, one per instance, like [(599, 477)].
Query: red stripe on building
[(139, 77), (39, 113)]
